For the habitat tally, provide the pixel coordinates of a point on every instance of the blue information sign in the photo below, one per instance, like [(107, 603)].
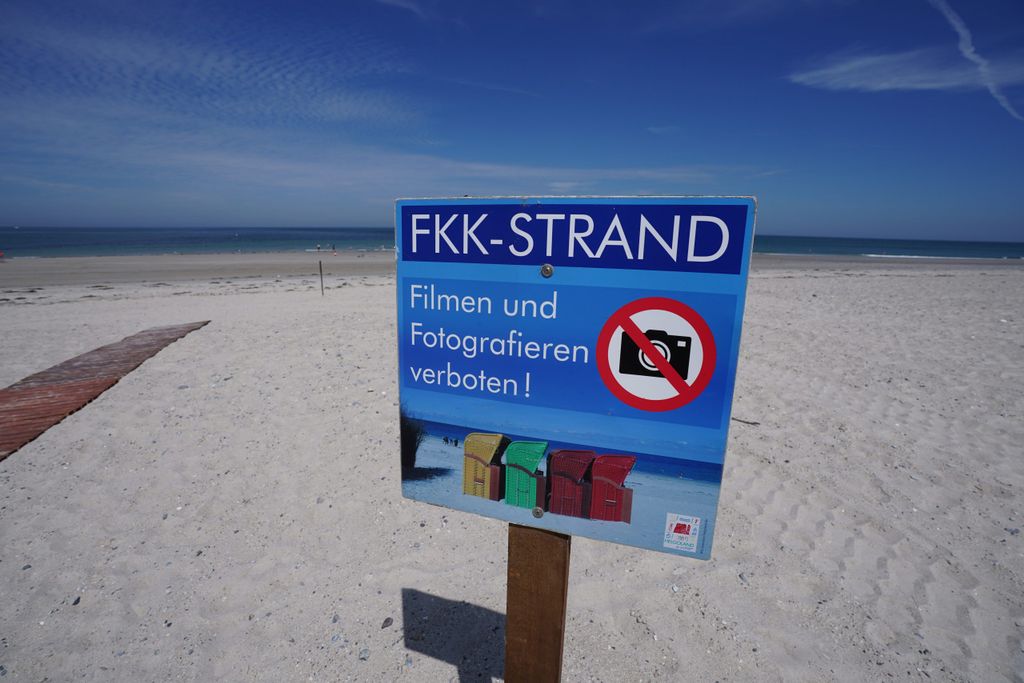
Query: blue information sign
[(568, 363)]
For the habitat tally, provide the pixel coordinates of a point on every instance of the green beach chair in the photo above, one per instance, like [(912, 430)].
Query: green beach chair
[(524, 484)]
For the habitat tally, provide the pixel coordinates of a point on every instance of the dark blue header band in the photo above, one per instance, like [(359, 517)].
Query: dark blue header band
[(677, 236)]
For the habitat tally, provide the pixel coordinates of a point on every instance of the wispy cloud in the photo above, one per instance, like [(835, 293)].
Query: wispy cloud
[(966, 47), (926, 69), (117, 113), (410, 5), (321, 78), (705, 14), (920, 69), (93, 152), (494, 87), (769, 173)]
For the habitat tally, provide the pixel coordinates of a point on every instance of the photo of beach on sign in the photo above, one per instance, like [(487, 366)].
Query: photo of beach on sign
[(566, 487)]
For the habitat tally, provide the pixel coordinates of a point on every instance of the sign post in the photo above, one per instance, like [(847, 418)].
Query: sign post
[(567, 364), (538, 586)]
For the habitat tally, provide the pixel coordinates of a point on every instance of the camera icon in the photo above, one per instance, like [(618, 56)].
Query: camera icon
[(675, 349)]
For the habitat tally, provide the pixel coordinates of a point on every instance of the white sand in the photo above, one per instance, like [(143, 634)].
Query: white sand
[(231, 509)]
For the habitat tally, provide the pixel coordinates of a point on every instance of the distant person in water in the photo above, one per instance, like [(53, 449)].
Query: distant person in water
[(318, 247)]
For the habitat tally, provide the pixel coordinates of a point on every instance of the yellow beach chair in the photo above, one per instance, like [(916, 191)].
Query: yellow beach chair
[(483, 474)]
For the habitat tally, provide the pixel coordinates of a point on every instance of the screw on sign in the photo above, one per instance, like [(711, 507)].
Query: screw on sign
[(656, 354)]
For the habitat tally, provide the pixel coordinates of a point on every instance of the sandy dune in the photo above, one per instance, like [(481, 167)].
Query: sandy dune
[(231, 509)]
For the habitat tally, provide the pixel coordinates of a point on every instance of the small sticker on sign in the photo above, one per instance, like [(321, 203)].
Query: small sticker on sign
[(681, 532)]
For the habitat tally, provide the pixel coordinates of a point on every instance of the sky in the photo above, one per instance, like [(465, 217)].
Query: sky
[(900, 119)]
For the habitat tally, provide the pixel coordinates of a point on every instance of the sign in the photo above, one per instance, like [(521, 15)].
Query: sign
[(569, 363), (656, 354)]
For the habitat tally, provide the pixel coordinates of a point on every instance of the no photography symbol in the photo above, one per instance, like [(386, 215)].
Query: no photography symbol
[(656, 354)]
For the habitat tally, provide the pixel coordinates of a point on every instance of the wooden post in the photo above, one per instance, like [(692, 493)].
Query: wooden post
[(321, 277), (538, 584)]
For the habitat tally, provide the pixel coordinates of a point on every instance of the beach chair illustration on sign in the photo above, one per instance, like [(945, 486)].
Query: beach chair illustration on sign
[(483, 474), (525, 486), (568, 476), (610, 500)]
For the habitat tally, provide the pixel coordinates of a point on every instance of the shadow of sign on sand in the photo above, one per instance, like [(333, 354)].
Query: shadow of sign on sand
[(469, 637)]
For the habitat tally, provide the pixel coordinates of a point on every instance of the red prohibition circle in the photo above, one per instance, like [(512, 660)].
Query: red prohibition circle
[(686, 393)]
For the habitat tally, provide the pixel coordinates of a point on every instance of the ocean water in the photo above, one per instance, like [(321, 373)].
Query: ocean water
[(43, 242), (878, 248)]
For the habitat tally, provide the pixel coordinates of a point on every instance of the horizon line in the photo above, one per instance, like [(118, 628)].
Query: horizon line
[(391, 228)]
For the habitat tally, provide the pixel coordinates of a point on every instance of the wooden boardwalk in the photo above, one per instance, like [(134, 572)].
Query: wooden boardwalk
[(31, 406)]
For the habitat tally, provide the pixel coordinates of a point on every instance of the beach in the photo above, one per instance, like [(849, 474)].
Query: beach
[(100, 270), (232, 508)]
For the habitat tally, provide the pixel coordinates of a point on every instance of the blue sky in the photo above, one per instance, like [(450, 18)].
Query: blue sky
[(889, 119)]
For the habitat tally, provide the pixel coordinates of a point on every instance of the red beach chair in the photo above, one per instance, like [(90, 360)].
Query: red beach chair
[(610, 500), (567, 477)]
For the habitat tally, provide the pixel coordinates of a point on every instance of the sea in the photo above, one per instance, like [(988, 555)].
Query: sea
[(41, 242), (47, 242)]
